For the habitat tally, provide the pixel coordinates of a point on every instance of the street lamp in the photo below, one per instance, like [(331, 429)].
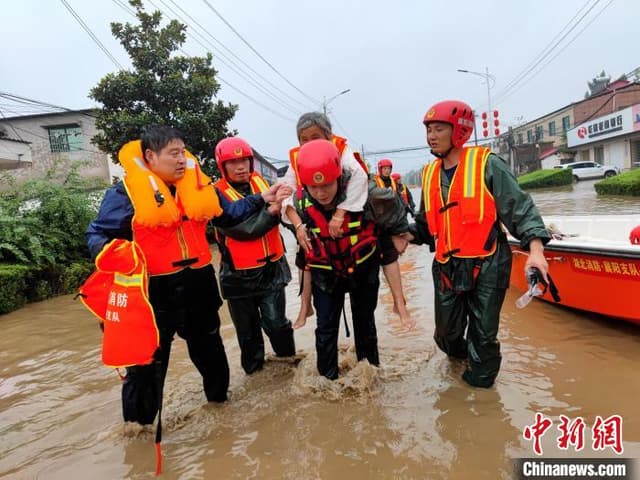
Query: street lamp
[(326, 102), (489, 79)]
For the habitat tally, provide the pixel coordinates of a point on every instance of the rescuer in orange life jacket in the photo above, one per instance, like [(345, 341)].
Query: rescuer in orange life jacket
[(467, 193), (405, 194), (343, 263), (156, 207), (253, 268)]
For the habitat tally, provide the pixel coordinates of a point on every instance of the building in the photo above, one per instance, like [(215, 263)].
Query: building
[(265, 168), (543, 142), (51, 138), (611, 139), (539, 143), (65, 137), (14, 154)]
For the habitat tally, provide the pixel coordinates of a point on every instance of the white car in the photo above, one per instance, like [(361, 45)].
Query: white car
[(586, 170)]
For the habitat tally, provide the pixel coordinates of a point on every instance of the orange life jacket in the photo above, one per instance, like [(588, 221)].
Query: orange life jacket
[(117, 293), (461, 226), (343, 254), (171, 233), (246, 254), (339, 142), (380, 183)]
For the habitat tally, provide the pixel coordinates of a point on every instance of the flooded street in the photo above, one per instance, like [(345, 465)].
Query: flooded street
[(414, 418)]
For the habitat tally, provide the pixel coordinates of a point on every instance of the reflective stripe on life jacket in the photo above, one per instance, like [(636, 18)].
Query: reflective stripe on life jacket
[(462, 226), (380, 183), (117, 293), (340, 255), (170, 232), (339, 142), (246, 254)]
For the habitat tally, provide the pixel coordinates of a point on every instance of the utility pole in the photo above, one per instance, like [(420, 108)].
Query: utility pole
[(490, 81), (326, 102)]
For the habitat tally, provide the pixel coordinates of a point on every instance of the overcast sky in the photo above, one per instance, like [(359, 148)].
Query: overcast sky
[(397, 58)]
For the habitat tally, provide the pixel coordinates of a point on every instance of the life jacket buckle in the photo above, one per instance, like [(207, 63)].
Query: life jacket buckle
[(185, 263)]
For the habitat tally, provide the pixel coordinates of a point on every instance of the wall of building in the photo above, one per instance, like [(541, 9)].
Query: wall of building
[(549, 128), (14, 155), (606, 103), (36, 130)]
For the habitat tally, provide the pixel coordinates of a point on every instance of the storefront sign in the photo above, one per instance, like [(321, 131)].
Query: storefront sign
[(636, 117), (614, 124)]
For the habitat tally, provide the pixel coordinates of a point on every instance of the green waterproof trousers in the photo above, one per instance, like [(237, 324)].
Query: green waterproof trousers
[(469, 294)]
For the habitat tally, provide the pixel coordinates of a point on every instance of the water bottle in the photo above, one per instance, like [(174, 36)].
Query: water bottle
[(535, 290)]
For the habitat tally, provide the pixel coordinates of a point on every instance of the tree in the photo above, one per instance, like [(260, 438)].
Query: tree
[(162, 88)]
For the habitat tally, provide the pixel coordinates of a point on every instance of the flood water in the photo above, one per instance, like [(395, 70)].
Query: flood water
[(414, 418)]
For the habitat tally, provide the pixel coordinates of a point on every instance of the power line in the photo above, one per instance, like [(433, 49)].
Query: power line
[(335, 120), (316, 102), (243, 75), (396, 150), (234, 54), (595, 17), (99, 44), (124, 6), (30, 101), (11, 125), (547, 50), (256, 101), (91, 34)]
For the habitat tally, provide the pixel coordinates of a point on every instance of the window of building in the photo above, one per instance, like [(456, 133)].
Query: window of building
[(566, 123), (520, 139), (539, 133), (598, 154), (529, 136), (584, 155), (65, 138), (552, 128)]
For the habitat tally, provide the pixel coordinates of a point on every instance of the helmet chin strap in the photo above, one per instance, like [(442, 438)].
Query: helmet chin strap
[(442, 155)]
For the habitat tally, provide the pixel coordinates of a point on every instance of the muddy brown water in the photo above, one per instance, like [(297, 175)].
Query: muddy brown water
[(413, 418)]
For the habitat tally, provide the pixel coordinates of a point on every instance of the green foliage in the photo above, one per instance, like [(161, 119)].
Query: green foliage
[(42, 246), (20, 284), (162, 88), (546, 178), (627, 183), (13, 287), (74, 275), (42, 221)]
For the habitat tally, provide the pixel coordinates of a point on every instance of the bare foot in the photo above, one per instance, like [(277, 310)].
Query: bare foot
[(395, 306), (309, 310), (305, 312), (408, 321), (301, 320)]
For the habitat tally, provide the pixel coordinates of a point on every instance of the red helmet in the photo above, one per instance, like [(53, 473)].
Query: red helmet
[(385, 162), (396, 176), (319, 162), (232, 148), (457, 114), (634, 236)]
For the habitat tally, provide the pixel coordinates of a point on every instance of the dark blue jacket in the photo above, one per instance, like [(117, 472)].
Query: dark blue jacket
[(116, 212)]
